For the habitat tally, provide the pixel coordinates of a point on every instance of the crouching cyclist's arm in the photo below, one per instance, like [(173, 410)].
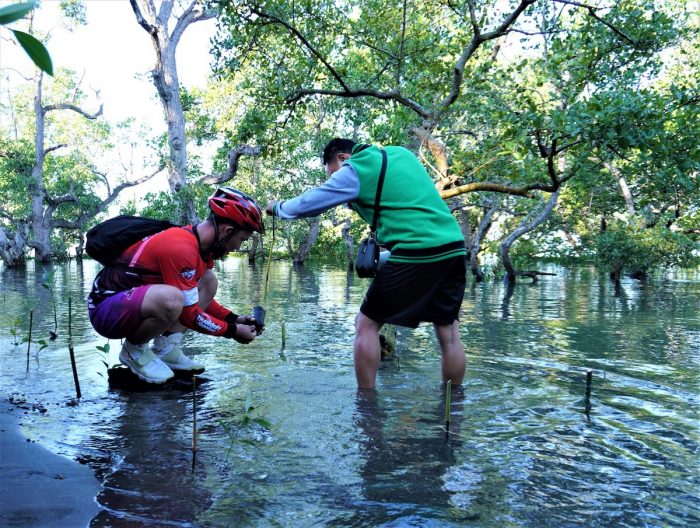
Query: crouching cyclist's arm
[(220, 312), (193, 317)]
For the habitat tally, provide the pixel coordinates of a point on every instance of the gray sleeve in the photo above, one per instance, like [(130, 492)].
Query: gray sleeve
[(342, 187)]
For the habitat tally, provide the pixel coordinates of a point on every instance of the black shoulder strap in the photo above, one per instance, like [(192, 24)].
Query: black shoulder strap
[(378, 196)]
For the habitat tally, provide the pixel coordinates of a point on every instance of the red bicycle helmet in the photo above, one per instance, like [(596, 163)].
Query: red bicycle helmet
[(238, 207)]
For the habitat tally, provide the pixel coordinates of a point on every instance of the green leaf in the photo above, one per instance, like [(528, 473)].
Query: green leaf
[(263, 422), (46, 286), (36, 51), (15, 12)]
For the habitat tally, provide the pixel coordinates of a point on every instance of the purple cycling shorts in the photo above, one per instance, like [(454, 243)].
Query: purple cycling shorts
[(119, 315)]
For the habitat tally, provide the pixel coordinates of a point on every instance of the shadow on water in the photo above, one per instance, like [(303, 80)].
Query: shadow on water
[(522, 450)]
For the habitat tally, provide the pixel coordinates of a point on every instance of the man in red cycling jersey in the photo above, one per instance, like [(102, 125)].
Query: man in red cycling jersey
[(164, 284)]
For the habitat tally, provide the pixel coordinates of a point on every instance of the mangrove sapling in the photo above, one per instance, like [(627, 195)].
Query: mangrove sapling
[(104, 350), (245, 421), (72, 352), (41, 342), (50, 285), (284, 342), (589, 382), (14, 331)]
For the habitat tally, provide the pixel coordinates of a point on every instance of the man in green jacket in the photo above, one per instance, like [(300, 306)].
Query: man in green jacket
[(425, 275)]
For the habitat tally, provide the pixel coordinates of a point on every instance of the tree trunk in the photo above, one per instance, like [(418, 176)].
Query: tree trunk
[(524, 228), (166, 81), (479, 235), (349, 245), (624, 188), (41, 239), (254, 246), (305, 247), (12, 245)]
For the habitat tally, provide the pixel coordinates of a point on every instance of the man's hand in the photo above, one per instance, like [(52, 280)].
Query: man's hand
[(270, 209), (250, 320), (245, 333)]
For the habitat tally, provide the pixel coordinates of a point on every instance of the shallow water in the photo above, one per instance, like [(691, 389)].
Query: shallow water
[(521, 451)]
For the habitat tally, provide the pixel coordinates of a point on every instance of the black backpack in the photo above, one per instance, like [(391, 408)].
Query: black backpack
[(108, 239)]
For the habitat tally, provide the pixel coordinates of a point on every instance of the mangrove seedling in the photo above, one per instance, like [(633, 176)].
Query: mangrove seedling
[(284, 341), (104, 350), (234, 428), (50, 285), (14, 331), (41, 342)]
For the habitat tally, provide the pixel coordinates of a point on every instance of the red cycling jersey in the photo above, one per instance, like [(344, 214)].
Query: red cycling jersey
[(170, 257)]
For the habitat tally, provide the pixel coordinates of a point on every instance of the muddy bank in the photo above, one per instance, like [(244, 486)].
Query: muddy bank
[(40, 488)]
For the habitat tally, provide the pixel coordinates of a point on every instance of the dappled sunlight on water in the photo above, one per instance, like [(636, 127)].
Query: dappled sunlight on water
[(521, 451)]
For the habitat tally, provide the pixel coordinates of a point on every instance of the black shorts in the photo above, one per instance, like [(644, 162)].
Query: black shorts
[(406, 294)]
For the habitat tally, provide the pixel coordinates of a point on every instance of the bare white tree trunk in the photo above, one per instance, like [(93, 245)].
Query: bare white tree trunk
[(44, 205), (41, 240), (165, 78), (624, 188)]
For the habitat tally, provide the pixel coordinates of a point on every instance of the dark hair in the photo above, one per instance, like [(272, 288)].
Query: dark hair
[(337, 146)]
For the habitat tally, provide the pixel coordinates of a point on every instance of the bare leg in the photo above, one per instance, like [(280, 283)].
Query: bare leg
[(161, 307), (367, 351), (453, 360)]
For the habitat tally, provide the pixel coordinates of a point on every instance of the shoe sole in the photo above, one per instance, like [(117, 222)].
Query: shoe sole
[(197, 370), (150, 380), (154, 381)]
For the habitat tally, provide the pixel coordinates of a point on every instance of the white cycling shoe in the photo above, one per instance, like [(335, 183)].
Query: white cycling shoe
[(144, 363), (170, 352)]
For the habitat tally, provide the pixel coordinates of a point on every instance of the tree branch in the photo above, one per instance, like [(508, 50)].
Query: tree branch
[(67, 106), (478, 39), (592, 11), (55, 147), (145, 24), (294, 31), (233, 158), (393, 95), (190, 16), (87, 215)]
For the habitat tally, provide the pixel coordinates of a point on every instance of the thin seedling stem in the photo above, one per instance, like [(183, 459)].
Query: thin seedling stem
[(194, 413), (76, 381), (29, 341), (589, 383), (269, 260)]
